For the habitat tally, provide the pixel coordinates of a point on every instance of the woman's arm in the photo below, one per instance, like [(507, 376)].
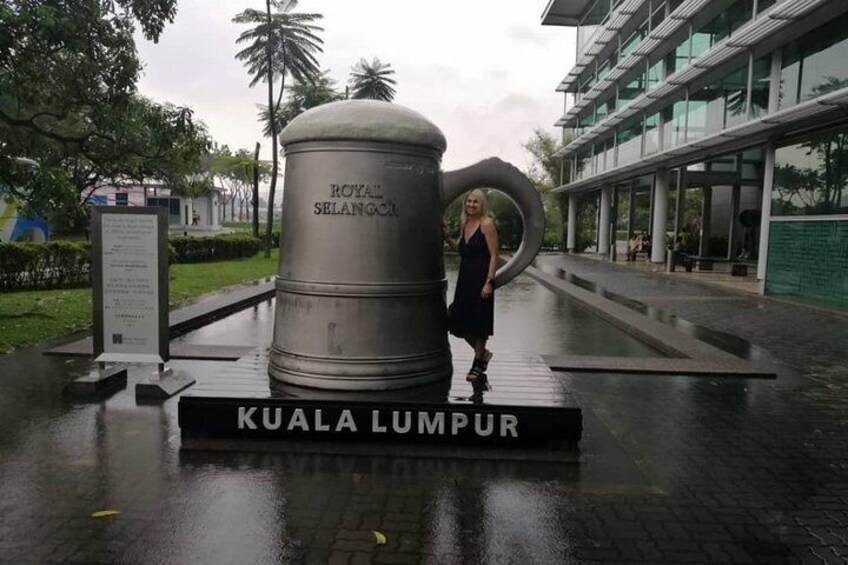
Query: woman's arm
[(490, 233)]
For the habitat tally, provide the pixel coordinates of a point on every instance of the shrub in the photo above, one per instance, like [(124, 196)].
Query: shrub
[(67, 264), (41, 266), (217, 248)]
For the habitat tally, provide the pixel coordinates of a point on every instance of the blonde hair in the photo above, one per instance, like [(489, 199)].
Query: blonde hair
[(484, 206)]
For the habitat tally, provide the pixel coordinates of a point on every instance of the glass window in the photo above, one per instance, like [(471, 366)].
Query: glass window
[(586, 84), (634, 39), (718, 106), (760, 87), (588, 119), (657, 13), (600, 158), (815, 64), (631, 91), (764, 5), (584, 163), (655, 74), (752, 164), (609, 153), (604, 109), (594, 17), (733, 96), (722, 26), (603, 71), (678, 59), (652, 134), (673, 5), (696, 113), (725, 164), (812, 177), (674, 124), (629, 140), (121, 199)]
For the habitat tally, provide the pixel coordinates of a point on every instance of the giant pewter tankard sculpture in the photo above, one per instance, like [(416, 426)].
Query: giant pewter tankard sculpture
[(361, 284)]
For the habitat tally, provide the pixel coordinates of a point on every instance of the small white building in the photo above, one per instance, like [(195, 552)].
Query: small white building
[(199, 214)]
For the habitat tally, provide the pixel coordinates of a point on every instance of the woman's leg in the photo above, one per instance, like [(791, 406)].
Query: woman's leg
[(480, 348)]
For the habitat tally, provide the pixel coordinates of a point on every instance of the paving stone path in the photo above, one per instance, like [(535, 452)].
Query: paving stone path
[(749, 472), (674, 469)]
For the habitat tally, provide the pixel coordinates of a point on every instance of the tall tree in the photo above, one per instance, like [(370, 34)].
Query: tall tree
[(68, 72), (237, 172), (547, 171), (301, 96), (372, 80), (281, 43), (254, 195)]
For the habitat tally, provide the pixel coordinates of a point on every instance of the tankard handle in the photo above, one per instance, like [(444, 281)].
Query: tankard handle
[(497, 174)]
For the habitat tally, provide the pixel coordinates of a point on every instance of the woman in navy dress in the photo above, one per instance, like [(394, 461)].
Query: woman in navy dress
[(472, 311)]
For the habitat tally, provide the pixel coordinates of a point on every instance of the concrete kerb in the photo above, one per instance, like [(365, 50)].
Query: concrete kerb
[(192, 317)]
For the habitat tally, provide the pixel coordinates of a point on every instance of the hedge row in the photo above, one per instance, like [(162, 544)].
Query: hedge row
[(36, 266), (66, 264), (208, 249)]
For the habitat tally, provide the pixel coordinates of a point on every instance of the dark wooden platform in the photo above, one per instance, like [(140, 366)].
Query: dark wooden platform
[(522, 405)]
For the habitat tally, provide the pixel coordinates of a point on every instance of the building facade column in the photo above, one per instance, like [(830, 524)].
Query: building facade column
[(732, 231), (765, 216), (571, 240), (679, 201), (604, 221), (706, 220), (660, 219)]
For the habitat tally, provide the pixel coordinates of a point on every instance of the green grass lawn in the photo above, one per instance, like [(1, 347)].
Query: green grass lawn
[(27, 318), (244, 226)]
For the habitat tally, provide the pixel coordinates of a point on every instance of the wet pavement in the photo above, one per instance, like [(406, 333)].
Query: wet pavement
[(673, 469)]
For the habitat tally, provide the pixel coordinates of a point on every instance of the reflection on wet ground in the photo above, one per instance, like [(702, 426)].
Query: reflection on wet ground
[(673, 469), (527, 318), (727, 342)]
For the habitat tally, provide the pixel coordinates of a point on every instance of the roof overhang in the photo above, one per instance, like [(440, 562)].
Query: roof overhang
[(564, 12)]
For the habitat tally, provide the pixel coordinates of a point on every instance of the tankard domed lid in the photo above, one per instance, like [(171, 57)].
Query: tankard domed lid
[(363, 120)]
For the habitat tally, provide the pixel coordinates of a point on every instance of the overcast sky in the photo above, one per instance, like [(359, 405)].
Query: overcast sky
[(484, 71)]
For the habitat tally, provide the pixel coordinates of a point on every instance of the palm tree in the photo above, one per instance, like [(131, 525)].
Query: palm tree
[(282, 42), (301, 97), (372, 80)]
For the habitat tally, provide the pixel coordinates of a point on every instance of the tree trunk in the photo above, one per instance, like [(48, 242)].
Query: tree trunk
[(255, 196), (269, 228)]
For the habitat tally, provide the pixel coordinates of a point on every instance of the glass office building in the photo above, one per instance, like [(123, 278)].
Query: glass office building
[(726, 119)]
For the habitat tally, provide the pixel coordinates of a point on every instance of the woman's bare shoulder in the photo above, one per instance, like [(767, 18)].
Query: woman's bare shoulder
[(487, 225)]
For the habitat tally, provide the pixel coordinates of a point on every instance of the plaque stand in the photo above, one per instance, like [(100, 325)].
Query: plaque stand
[(103, 382), (163, 383)]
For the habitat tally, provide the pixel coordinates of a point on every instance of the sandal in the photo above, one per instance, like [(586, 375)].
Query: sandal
[(476, 371)]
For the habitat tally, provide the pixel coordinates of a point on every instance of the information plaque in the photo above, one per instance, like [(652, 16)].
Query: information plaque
[(130, 282)]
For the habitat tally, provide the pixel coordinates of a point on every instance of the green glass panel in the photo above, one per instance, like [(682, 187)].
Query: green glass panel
[(815, 64), (811, 177), (587, 119), (809, 261), (722, 26), (652, 134), (760, 87), (631, 91), (674, 127), (633, 41), (678, 59), (655, 74), (629, 139)]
